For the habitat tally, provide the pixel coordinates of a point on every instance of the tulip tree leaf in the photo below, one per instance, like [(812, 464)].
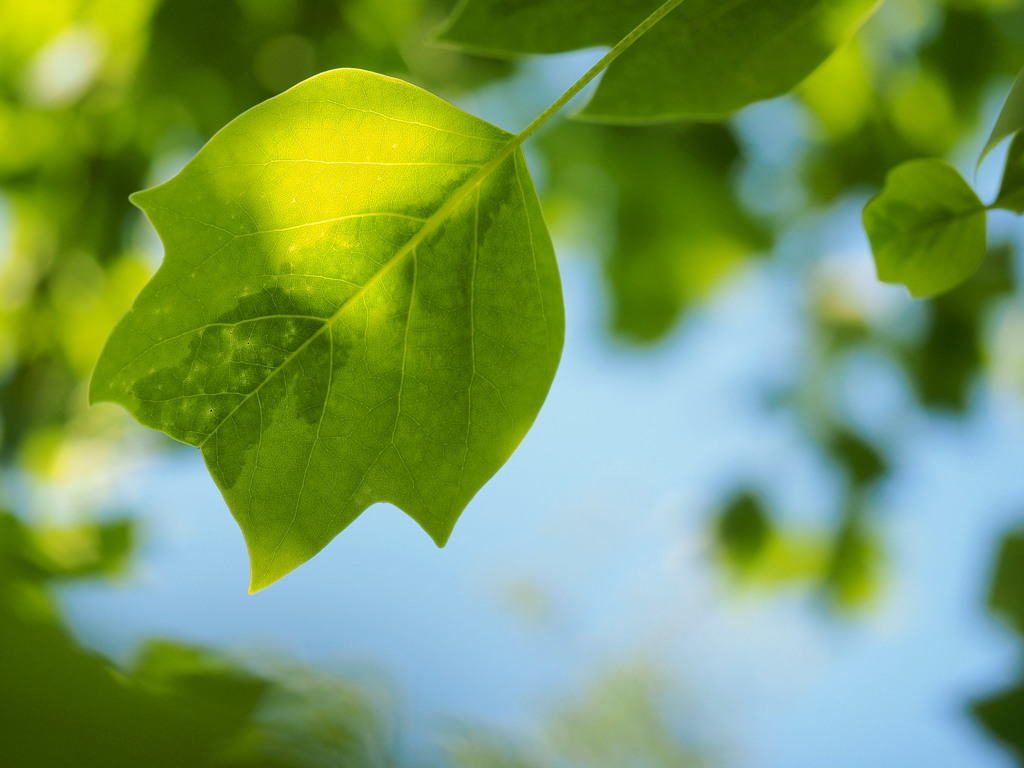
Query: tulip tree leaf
[(926, 227), (706, 59), (359, 303)]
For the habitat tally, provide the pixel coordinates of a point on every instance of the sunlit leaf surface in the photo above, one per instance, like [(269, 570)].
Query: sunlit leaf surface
[(705, 59), (927, 228), (359, 303)]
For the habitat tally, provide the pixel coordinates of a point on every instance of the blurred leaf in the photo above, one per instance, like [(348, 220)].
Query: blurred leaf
[(179, 706), (1011, 190), (673, 249), (950, 355), (927, 228), (704, 60), (1006, 593), (316, 719), (627, 717), (477, 749), (743, 529), (89, 550), (1011, 117), (392, 343), (862, 462), (85, 550), (622, 721), (1002, 716), (664, 254), (852, 576)]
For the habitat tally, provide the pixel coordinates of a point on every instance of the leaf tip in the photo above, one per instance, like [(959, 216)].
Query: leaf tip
[(98, 392), (258, 581), (140, 199), (439, 532), (263, 573)]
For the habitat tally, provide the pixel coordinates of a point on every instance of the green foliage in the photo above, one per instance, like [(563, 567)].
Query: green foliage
[(666, 254), (359, 303), (674, 249), (862, 461), (1002, 713), (177, 705), (662, 208), (743, 530), (1011, 190), (927, 228), (624, 718), (1006, 593), (1010, 123), (945, 363), (703, 61), (1011, 117)]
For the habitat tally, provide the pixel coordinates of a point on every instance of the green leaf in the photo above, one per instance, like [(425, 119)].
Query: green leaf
[(1011, 190), (1011, 117), (927, 228), (743, 530), (706, 59), (1006, 592), (1001, 715), (359, 303), (674, 249)]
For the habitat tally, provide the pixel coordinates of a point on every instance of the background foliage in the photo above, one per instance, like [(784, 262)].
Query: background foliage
[(98, 100)]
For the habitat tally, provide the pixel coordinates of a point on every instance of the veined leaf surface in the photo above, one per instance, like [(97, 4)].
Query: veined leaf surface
[(705, 59), (926, 227), (359, 303)]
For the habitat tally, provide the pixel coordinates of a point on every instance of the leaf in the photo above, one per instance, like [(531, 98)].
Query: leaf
[(1001, 714), (1006, 592), (1011, 190), (674, 249), (359, 303), (1011, 117), (926, 227), (706, 59), (664, 254), (863, 463), (743, 530)]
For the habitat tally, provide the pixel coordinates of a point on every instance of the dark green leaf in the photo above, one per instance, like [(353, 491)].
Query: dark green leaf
[(1011, 191), (859, 458), (706, 59), (674, 249), (927, 228), (1006, 595), (1011, 118), (1002, 715), (359, 304), (743, 529)]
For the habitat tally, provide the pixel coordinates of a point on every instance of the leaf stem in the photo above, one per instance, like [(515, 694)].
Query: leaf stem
[(597, 69)]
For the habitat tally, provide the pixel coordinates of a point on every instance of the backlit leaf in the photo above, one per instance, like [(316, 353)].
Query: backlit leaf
[(927, 228), (706, 59), (359, 303)]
